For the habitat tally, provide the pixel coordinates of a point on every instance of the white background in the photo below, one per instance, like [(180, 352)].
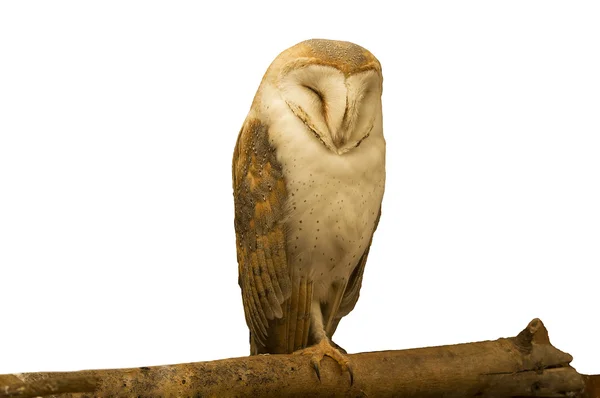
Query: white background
[(117, 125)]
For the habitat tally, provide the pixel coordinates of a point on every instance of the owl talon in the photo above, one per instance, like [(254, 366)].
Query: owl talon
[(351, 373), (323, 349), (315, 365)]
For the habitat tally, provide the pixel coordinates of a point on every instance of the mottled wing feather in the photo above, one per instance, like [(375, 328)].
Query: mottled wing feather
[(259, 194), (352, 290), (298, 324)]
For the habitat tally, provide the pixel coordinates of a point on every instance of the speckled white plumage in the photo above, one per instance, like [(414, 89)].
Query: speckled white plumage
[(333, 199)]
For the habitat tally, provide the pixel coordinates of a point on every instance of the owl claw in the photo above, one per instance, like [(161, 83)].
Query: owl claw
[(351, 373), (315, 365), (323, 349)]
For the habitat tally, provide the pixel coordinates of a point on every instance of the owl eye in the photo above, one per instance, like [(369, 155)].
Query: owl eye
[(315, 92)]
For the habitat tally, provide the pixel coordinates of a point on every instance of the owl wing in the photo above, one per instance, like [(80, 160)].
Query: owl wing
[(352, 290), (259, 194)]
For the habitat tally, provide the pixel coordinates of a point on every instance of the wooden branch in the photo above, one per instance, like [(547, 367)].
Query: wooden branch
[(523, 366)]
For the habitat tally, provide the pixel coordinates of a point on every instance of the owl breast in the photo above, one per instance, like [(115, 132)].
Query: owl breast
[(332, 204)]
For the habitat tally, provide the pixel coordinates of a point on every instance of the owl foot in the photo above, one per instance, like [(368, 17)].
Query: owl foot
[(325, 348)]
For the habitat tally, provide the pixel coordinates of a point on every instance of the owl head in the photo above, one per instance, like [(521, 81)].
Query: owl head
[(333, 87)]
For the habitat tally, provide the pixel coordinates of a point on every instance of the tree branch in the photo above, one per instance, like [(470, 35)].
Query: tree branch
[(523, 366)]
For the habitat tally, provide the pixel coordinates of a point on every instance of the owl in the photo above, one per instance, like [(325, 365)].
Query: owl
[(308, 181)]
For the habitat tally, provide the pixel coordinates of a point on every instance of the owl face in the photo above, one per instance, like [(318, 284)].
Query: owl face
[(341, 110), (333, 87)]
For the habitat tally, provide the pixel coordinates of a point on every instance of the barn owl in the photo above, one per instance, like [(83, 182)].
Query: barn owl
[(308, 181)]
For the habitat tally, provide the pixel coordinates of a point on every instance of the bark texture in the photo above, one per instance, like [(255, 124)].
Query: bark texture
[(523, 366)]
